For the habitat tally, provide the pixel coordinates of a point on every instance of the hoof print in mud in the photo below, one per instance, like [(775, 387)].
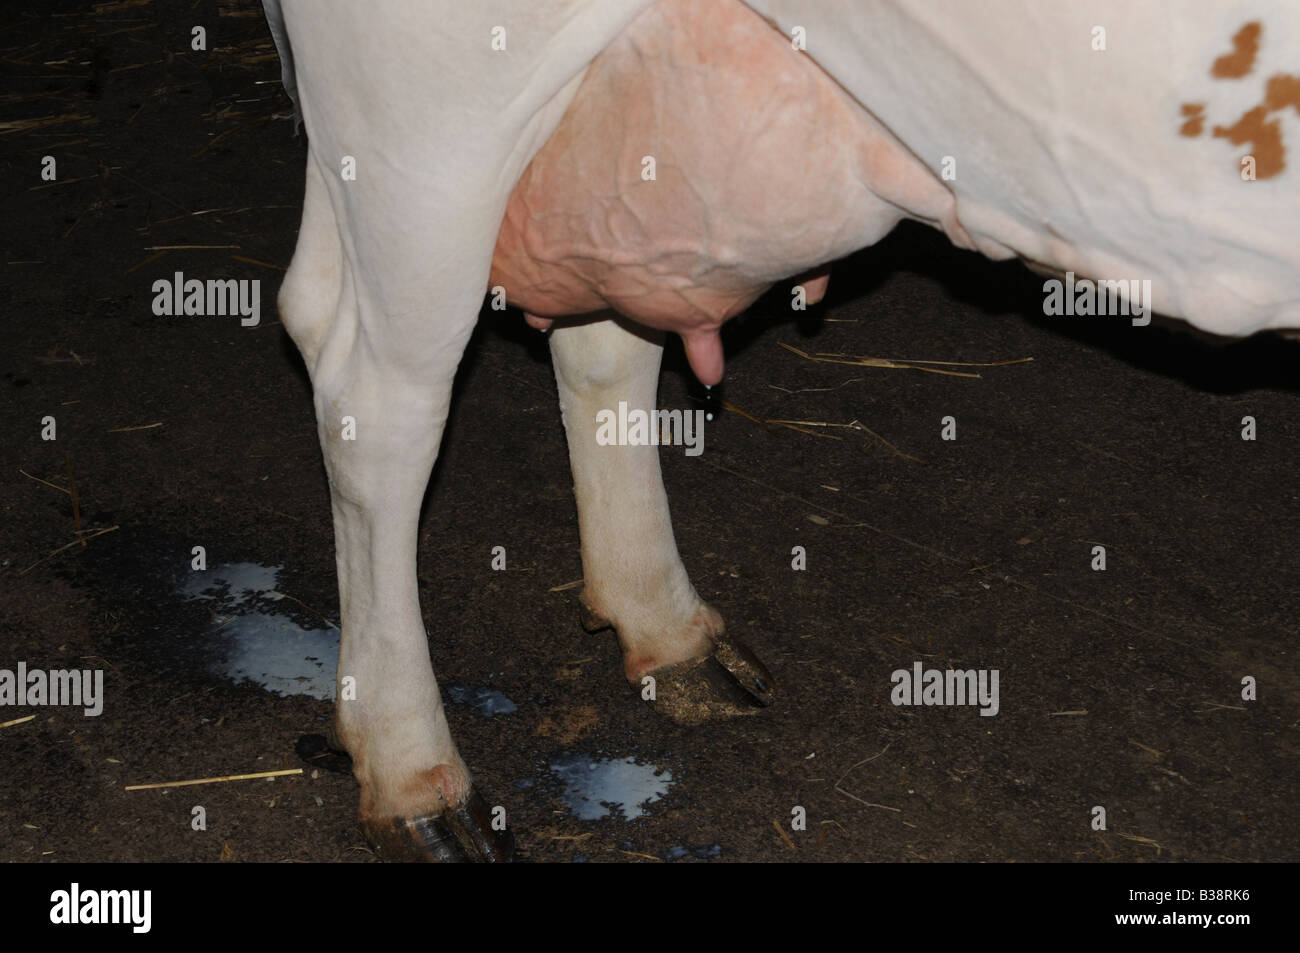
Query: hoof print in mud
[(732, 681), (457, 835)]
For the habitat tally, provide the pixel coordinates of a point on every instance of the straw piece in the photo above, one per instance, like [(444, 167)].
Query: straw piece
[(228, 777)]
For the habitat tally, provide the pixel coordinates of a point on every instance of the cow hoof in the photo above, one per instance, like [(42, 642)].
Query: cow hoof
[(732, 681), (456, 835)]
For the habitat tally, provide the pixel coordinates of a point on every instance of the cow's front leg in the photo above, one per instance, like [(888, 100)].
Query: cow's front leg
[(416, 797), (634, 577), (382, 378), (418, 125)]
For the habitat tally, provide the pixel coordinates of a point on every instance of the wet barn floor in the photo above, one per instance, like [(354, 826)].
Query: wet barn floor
[(1120, 689)]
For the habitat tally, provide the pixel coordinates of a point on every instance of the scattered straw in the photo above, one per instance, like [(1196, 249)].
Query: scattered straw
[(230, 132), (932, 367), (285, 595), (220, 211), (784, 836), (180, 247), (46, 482), (177, 218), (80, 539), (815, 390), (1147, 748), (50, 185), (1173, 774), (115, 5), (139, 427), (254, 261), (802, 427), (229, 11), (228, 777), (23, 125), (1142, 840), (76, 503), (16, 721), (129, 29), (637, 853), (1215, 706), (568, 585), (154, 257), (52, 357), (736, 410), (852, 796)]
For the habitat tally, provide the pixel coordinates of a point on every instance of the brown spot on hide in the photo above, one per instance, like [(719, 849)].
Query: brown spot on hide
[(1195, 123), (1265, 137), (1245, 44), (1282, 91)]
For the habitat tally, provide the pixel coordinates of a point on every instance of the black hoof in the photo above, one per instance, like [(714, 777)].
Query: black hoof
[(731, 682), (457, 835)]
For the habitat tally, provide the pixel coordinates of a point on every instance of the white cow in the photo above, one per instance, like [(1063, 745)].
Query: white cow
[(684, 156)]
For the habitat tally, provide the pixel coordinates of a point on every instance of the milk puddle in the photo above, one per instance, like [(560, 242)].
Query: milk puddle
[(598, 787), (488, 701), (253, 638)]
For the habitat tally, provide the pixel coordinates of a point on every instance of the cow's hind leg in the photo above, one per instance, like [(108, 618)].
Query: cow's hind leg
[(634, 577)]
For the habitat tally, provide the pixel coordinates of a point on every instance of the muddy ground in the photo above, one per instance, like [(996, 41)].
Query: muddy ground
[(1119, 688)]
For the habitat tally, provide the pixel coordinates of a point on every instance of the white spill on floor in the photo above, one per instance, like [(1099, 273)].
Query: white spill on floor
[(253, 640), (596, 787), (488, 701)]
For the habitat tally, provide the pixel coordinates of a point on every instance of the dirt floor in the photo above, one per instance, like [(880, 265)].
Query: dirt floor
[(1120, 689)]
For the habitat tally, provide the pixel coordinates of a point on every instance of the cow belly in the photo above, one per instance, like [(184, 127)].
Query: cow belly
[(701, 160)]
